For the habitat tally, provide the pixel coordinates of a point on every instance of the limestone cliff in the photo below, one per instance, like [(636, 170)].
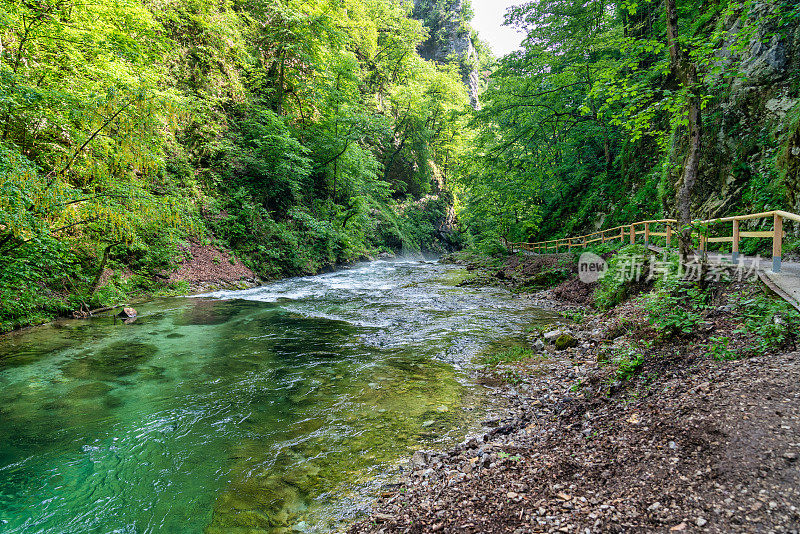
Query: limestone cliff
[(752, 132), (450, 38)]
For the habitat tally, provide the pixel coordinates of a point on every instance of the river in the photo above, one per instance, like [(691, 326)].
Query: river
[(279, 408)]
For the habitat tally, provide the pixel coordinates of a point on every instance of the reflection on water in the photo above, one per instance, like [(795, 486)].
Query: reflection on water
[(279, 408)]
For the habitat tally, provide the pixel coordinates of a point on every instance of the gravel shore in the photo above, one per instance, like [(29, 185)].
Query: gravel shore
[(686, 444)]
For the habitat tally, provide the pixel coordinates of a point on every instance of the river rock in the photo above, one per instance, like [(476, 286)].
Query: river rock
[(419, 460), (552, 335), (128, 313), (565, 341)]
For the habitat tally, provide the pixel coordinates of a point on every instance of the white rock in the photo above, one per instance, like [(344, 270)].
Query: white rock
[(552, 335)]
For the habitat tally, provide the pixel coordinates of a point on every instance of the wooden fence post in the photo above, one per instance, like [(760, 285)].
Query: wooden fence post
[(777, 243), (633, 234), (646, 235), (669, 234), (735, 243)]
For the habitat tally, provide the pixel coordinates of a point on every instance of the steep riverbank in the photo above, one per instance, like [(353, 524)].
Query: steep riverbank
[(629, 429), (203, 268)]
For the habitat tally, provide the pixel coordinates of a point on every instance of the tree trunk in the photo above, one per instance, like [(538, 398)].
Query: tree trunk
[(686, 73), (280, 91), (689, 177)]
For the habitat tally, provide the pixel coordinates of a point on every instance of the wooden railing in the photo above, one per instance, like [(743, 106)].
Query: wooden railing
[(667, 227)]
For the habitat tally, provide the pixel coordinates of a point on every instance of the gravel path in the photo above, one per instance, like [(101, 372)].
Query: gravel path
[(712, 448)]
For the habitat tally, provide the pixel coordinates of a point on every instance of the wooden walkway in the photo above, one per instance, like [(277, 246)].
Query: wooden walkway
[(780, 276), (785, 284)]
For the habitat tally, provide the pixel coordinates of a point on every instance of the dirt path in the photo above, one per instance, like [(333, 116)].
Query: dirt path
[(712, 447)]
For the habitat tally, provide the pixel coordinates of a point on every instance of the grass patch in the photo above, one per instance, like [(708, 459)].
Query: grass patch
[(512, 354), (456, 276)]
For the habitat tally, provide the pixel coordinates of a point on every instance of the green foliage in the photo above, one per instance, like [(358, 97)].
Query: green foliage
[(299, 134), (627, 270), (676, 306), (628, 360), (718, 348), (38, 282), (773, 321), (576, 316), (588, 123), (513, 354)]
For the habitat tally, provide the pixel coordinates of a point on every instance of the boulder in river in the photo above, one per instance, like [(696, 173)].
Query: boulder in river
[(128, 313)]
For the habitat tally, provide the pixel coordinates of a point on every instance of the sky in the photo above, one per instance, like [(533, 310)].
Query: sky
[(488, 20)]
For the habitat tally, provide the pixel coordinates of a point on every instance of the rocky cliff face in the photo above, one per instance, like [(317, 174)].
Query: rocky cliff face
[(752, 132), (451, 38)]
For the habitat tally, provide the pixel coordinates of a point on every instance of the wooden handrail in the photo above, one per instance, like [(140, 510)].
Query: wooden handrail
[(630, 231)]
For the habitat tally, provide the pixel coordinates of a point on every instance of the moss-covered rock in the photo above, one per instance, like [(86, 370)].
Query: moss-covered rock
[(565, 341)]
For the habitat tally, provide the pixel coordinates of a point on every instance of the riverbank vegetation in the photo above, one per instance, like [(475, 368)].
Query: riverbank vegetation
[(298, 135), (295, 135), (650, 296)]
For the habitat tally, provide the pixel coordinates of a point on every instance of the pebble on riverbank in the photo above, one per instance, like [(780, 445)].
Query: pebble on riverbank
[(686, 444)]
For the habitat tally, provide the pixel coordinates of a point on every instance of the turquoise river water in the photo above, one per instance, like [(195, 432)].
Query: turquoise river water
[(273, 409)]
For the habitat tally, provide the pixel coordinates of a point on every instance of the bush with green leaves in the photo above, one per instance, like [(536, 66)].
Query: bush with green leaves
[(774, 322), (628, 359), (676, 306), (719, 348), (41, 280), (627, 270)]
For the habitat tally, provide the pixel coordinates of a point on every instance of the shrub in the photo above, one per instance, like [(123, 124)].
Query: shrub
[(773, 321), (718, 348), (627, 272), (676, 306), (28, 278), (628, 361)]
